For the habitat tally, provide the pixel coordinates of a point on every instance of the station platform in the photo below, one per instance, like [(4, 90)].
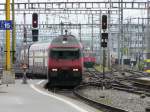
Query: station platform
[(32, 97)]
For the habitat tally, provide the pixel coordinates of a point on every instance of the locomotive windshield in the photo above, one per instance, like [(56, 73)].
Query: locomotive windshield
[(65, 53)]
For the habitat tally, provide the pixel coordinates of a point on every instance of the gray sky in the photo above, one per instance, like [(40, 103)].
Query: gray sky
[(127, 13)]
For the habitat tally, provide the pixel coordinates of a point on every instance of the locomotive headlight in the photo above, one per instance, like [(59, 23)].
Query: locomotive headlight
[(75, 69), (54, 69)]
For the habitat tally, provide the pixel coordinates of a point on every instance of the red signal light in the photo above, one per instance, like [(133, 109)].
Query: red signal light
[(34, 20)]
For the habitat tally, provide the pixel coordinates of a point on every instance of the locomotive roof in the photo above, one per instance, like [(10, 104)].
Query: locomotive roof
[(61, 40), (65, 40)]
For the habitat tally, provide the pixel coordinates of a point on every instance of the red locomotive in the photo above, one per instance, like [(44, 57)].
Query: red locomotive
[(61, 60), (89, 59)]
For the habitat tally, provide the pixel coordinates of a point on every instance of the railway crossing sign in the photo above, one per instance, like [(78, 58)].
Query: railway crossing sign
[(5, 25)]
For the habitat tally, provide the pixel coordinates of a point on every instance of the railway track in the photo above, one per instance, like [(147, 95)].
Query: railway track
[(100, 104), (129, 83), (124, 83), (112, 83), (97, 77), (117, 99), (75, 93)]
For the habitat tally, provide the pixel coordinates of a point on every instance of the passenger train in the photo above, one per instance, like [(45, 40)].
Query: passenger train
[(60, 60)]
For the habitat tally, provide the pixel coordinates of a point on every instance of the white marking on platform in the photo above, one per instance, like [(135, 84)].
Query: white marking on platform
[(59, 98), (38, 83)]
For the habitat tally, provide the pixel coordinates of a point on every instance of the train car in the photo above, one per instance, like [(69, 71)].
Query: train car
[(89, 59), (60, 60), (22, 57), (24, 54), (147, 66)]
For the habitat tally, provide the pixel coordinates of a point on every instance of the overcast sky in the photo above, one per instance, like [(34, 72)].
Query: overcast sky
[(127, 13)]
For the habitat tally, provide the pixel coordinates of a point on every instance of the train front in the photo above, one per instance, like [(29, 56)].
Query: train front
[(88, 58), (65, 61)]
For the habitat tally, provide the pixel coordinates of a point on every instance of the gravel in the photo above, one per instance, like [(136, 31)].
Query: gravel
[(116, 98)]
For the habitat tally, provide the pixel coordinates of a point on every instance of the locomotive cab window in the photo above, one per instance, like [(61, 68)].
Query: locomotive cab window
[(65, 53)]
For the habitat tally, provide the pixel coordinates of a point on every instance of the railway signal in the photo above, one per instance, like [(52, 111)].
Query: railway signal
[(104, 39), (104, 35), (104, 22), (35, 33), (34, 20), (104, 44), (35, 30)]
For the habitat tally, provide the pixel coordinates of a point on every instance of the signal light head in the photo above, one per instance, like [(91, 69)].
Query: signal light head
[(34, 20), (104, 21), (104, 35), (103, 44)]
